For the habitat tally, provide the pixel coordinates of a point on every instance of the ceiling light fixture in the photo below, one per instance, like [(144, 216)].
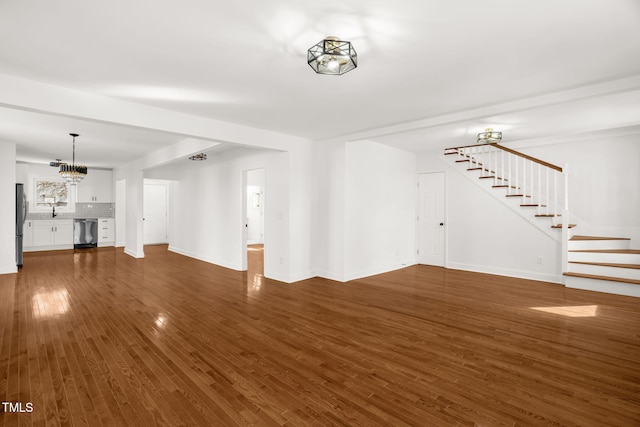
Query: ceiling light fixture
[(73, 173), (489, 137), (197, 157), (332, 56)]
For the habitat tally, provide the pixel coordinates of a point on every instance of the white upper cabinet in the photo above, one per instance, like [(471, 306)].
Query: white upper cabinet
[(97, 186)]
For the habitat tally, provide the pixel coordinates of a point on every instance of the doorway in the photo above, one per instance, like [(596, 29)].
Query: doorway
[(155, 213), (254, 198), (431, 219)]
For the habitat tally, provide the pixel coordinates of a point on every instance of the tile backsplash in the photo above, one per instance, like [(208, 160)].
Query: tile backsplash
[(83, 210)]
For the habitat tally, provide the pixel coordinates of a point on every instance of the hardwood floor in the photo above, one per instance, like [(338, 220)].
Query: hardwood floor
[(99, 338)]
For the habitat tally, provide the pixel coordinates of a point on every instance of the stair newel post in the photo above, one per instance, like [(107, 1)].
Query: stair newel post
[(565, 219)]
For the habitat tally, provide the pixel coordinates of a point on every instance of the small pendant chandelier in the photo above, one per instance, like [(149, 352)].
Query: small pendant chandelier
[(73, 173), (332, 56), (489, 136)]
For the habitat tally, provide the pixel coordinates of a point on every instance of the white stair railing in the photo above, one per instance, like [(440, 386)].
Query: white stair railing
[(537, 184)]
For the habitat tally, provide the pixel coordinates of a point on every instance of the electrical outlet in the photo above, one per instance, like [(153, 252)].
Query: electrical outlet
[(540, 260)]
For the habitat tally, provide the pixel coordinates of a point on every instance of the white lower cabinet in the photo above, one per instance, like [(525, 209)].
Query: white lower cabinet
[(44, 235), (52, 234), (27, 235), (106, 232)]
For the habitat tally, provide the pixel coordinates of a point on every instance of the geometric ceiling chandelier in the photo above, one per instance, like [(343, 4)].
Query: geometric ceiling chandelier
[(489, 136), (332, 56), (73, 173)]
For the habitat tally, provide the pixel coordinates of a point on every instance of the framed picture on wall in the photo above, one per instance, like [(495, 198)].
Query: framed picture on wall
[(49, 193)]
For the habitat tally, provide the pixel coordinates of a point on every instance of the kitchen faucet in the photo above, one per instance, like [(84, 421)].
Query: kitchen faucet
[(53, 214)]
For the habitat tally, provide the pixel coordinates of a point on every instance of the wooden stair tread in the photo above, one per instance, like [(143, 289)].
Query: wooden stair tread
[(594, 276), (609, 251), (560, 225), (606, 264), (598, 238)]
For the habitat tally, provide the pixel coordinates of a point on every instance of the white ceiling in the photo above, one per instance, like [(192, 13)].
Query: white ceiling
[(431, 73)]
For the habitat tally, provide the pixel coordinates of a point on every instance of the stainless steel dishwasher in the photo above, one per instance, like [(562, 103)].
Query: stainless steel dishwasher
[(85, 233)]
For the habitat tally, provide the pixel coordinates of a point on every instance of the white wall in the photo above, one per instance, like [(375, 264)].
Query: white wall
[(206, 218), (485, 235), (206, 215), (365, 209), (133, 220), (120, 214), (8, 212), (300, 187), (329, 210), (380, 214)]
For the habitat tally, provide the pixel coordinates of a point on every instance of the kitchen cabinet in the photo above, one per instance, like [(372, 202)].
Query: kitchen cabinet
[(97, 186), (106, 232), (53, 234), (27, 234)]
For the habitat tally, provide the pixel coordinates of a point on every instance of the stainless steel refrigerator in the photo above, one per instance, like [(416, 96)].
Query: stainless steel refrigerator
[(21, 216)]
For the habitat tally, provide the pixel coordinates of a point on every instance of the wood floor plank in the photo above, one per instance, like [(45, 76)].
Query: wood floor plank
[(95, 337)]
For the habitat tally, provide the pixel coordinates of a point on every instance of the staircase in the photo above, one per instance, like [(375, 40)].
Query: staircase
[(604, 264), (538, 187)]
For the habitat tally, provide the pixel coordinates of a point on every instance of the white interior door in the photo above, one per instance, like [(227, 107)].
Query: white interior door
[(155, 214), (431, 224)]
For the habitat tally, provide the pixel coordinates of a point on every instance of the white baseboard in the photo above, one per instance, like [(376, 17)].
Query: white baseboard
[(331, 276), (364, 273), (519, 274), (378, 270), (47, 248), (133, 254), (8, 269), (221, 263), (297, 277)]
